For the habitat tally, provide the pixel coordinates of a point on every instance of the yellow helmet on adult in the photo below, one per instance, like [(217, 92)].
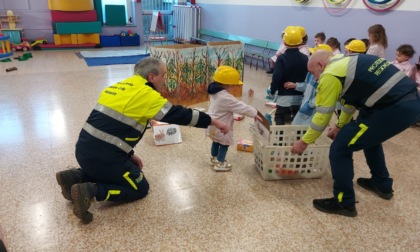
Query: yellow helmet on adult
[(356, 46), (227, 75), (292, 36), (320, 47)]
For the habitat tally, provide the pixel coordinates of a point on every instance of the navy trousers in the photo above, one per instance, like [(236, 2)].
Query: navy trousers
[(368, 132), (119, 181), (284, 114)]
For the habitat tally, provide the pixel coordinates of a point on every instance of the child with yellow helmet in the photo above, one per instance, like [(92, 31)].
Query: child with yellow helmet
[(303, 48), (222, 106), (291, 66), (355, 46)]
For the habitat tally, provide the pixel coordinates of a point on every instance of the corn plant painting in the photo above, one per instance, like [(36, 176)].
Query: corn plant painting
[(189, 69)]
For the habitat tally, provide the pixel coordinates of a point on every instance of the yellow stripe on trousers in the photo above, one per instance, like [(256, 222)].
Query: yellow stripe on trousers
[(112, 192), (340, 197), (126, 176), (362, 130)]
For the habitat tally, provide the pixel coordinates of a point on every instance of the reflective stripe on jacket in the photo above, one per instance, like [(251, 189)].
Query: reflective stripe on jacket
[(358, 81), (119, 120)]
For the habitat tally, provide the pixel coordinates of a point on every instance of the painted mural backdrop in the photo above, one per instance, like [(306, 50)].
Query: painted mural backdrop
[(189, 68)]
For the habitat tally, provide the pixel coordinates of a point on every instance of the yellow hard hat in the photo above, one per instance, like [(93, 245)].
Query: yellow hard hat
[(356, 46), (292, 36), (320, 47), (302, 30), (288, 27), (285, 29), (227, 75)]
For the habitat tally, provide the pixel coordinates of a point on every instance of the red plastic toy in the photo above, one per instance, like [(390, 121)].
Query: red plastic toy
[(24, 46)]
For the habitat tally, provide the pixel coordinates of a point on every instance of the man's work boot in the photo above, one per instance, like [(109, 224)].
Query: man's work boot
[(66, 179), (331, 206), (83, 195), (368, 184)]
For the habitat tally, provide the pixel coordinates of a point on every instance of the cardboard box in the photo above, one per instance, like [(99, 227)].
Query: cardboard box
[(262, 129), (164, 133), (245, 145)]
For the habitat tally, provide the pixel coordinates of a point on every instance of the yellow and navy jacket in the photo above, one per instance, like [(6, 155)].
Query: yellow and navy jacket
[(358, 81), (119, 119)]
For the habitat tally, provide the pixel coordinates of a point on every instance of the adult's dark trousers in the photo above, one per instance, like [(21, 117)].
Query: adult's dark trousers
[(368, 132), (284, 114), (120, 181)]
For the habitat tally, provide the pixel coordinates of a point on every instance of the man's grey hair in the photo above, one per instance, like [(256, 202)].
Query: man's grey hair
[(146, 66)]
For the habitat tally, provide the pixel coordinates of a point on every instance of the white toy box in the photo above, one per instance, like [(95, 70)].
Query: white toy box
[(276, 161)]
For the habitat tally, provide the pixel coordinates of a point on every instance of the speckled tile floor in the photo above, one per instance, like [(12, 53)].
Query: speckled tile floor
[(43, 106)]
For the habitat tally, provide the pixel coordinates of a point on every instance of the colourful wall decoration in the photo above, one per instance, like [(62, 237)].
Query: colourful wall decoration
[(189, 68)]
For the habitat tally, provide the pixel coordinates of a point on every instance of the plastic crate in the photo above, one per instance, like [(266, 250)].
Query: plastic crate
[(276, 161), (110, 41), (130, 40)]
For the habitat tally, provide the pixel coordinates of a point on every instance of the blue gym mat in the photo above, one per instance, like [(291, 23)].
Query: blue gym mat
[(100, 58), (100, 61)]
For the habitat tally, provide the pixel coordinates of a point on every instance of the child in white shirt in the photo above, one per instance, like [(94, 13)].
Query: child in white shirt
[(319, 38), (378, 40), (402, 56), (334, 44), (222, 106)]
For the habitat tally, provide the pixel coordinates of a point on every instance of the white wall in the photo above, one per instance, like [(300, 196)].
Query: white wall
[(408, 5)]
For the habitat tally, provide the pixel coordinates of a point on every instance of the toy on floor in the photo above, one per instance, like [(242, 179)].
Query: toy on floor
[(11, 69), (39, 41), (271, 101), (268, 95), (251, 92), (238, 117), (24, 57), (24, 46), (245, 145)]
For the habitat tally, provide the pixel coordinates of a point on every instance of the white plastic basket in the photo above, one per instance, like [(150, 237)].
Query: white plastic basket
[(276, 161)]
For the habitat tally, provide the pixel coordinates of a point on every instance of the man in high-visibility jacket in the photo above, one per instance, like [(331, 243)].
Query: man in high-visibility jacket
[(110, 171), (388, 103)]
